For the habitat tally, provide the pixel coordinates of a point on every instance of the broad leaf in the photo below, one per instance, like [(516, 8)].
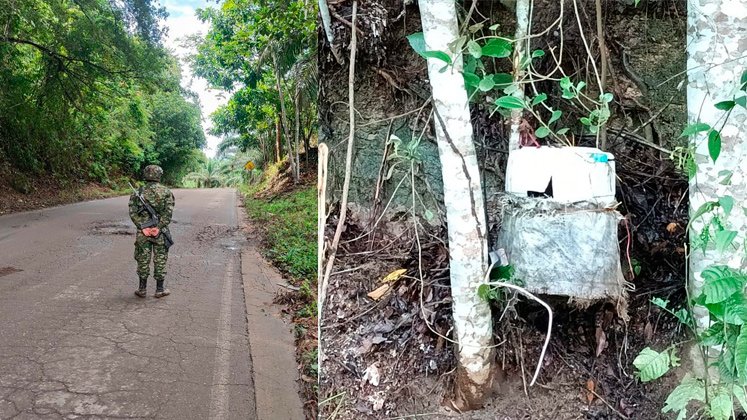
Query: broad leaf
[(503, 79), (727, 203), (538, 53), (725, 105), (509, 102), (651, 364), (740, 354), (542, 132), (720, 406), (695, 128), (471, 79), (720, 283), (714, 144), (731, 311), (724, 239), (555, 116), (474, 49), (740, 396), (703, 209), (688, 390), (562, 131), (497, 47), (713, 336), (417, 42), (486, 83), (539, 99)]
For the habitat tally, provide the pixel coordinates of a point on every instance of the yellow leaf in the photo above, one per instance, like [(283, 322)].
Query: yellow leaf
[(249, 165), (394, 275)]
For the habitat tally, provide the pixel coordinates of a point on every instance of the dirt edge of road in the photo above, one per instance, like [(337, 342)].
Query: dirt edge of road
[(271, 339)]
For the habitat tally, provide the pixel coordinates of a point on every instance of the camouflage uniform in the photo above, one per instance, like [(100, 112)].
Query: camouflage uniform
[(162, 201)]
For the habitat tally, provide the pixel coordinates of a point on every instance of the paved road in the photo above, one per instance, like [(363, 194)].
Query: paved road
[(76, 342)]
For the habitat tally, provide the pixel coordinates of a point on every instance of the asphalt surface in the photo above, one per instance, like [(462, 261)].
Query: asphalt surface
[(76, 342)]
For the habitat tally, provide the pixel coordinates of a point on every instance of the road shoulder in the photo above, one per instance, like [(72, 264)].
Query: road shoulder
[(270, 339)]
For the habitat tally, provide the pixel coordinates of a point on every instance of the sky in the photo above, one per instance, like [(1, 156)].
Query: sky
[(182, 22)]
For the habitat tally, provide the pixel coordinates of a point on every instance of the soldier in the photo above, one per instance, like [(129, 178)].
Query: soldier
[(152, 240)]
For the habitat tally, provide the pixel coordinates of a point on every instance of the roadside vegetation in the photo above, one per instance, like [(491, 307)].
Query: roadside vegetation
[(90, 95)]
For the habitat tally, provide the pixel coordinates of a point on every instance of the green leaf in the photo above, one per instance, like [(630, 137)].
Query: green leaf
[(474, 49), (688, 390), (494, 27), (565, 83), (580, 85), (651, 364), (539, 99), (714, 144), (703, 209), (471, 79), (713, 336), (727, 203), (417, 42), (660, 302), (720, 406), (695, 128), (497, 47), (740, 354), (538, 53), (743, 81), (509, 102), (483, 292), (727, 177), (606, 98), (555, 116), (542, 132), (725, 105), (503, 79), (740, 396), (741, 101), (724, 239), (585, 121), (562, 131), (486, 83), (720, 283)]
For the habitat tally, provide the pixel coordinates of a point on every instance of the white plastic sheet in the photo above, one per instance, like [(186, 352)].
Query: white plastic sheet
[(564, 250)]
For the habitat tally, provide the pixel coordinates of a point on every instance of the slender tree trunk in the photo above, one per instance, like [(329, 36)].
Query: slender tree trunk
[(277, 139), (716, 36), (284, 117), (520, 52), (297, 134), (465, 209)]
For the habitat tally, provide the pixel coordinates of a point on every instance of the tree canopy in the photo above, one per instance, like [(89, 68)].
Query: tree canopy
[(89, 90)]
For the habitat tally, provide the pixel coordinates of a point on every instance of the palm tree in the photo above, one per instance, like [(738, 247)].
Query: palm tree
[(208, 175)]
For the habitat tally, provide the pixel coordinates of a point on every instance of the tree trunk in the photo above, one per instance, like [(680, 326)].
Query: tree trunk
[(297, 134), (277, 139), (711, 79), (520, 52), (465, 212), (284, 117)]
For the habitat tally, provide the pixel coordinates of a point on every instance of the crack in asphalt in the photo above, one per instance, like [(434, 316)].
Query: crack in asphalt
[(76, 343)]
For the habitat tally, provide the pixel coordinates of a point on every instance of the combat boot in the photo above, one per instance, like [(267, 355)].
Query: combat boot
[(141, 291), (160, 290)]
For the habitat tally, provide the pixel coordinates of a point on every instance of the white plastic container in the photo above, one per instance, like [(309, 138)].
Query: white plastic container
[(575, 174)]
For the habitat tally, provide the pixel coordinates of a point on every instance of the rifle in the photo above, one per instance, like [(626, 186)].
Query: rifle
[(153, 218)]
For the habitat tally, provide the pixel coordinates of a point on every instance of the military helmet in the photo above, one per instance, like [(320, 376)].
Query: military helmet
[(152, 173)]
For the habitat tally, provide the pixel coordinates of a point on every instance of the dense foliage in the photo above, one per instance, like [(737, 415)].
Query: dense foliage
[(264, 53), (89, 91)]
